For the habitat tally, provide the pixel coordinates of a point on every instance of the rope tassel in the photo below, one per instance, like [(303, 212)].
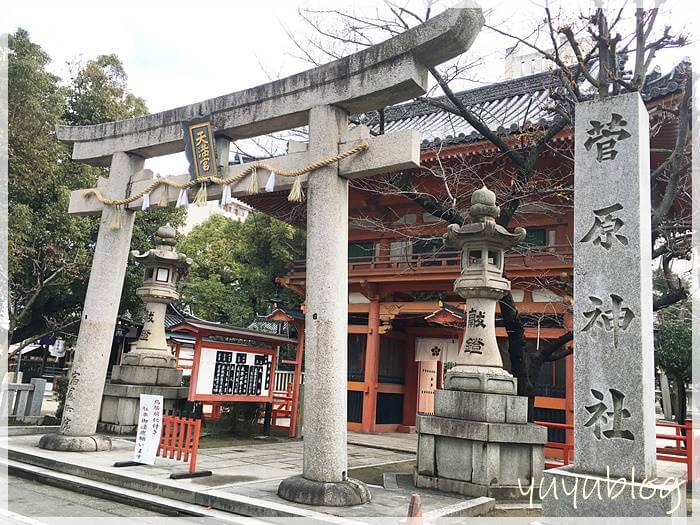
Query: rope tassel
[(254, 188), (146, 201), (270, 186), (182, 199), (116, 218), (296, 194), (201, 198)]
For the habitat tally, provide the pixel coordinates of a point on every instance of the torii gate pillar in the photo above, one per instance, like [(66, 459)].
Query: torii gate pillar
[(325, 481), (87, 377)]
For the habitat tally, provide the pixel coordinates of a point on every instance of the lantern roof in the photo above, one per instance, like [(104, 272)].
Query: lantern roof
[(483, 213), (164, 252)]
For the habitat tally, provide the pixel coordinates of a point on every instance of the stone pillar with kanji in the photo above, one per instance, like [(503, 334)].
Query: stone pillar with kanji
[(614, 412)]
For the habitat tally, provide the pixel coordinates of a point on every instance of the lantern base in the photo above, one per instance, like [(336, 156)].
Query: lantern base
[(120, 411), (150, 358), (126, 374), (486, 379)]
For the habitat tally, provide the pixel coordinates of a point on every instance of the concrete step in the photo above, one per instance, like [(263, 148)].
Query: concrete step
[(219, 500), (130, 497)]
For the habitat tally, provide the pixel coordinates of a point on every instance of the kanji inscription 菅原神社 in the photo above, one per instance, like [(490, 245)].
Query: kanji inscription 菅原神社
[(606, 136), (606, 227), (614, 360)]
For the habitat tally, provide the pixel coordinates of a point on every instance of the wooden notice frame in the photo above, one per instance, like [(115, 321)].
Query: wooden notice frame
[(205, 352)]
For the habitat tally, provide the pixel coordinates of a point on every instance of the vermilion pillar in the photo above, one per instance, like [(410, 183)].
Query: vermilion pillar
[(410, 397), (298, 360), (569, 390), (369, 402)]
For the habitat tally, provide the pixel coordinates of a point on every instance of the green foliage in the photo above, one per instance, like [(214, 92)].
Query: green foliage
[(673, 343), (674, 346), (50, 252), (673, 339), (98, 93), (235, 265)]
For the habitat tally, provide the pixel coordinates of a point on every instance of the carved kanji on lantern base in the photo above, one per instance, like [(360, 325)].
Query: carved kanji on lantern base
[(481, 283)]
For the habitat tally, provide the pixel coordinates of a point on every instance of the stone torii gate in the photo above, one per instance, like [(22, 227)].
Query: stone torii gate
[(385, 74)]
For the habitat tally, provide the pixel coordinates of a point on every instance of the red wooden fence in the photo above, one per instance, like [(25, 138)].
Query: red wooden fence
[(180, 440), (676, 454), (282, 405)]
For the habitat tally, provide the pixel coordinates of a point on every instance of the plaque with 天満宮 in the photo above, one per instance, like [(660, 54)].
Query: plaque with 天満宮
[(200, 148)]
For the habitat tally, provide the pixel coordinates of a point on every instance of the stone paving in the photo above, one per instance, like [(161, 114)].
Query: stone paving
[(251, 472), (398, 441), (23, 495), (254, 471)]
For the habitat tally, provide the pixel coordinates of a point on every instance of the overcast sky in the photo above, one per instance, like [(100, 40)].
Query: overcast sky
[(177, 53)]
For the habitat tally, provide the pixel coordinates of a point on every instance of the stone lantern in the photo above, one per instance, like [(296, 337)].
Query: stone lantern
[(164, 267), (150, 368), (479, 366), (478, 441)]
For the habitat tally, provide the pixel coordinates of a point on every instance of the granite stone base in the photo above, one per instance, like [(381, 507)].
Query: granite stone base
[(309, 492), (481, 379), (466, 488), (120, 405), (146, 375), (62, 443), (474, 406), (479, 444), (565, 493)]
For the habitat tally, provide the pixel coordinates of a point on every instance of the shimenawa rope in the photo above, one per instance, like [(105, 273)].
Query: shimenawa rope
[(295, 195)]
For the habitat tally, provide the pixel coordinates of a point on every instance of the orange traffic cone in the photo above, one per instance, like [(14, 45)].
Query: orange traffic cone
[(415, 512)]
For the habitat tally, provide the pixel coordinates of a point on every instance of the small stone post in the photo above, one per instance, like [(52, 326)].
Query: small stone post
[(87, 376)]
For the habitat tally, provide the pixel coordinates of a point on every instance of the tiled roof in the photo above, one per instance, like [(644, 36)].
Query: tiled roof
[(505, 107), (174, 317), (263, 324)]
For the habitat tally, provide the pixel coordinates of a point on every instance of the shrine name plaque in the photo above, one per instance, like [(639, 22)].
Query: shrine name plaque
[(231, 374)]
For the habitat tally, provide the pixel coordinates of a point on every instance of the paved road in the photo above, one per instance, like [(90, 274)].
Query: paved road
[(31, 498)]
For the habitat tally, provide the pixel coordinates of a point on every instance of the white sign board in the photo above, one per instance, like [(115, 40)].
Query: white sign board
[(149, 430), (222, 374), (436, 349)]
